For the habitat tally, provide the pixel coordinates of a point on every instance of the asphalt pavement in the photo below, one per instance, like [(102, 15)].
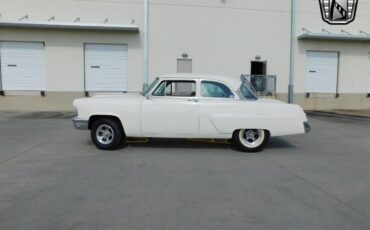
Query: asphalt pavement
[(53, 177)]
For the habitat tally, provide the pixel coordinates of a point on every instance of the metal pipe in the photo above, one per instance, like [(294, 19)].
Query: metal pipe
[(146, 16), (1, 78), (292, 50)]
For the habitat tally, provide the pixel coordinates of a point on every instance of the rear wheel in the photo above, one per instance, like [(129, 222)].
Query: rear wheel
[(107, 134), (251, 140)]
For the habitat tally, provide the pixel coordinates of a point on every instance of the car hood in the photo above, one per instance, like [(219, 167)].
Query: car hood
[(107, 99), (123, 96)]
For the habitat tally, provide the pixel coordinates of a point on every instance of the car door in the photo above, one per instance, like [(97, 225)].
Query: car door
[(172, 110), (217, 104)]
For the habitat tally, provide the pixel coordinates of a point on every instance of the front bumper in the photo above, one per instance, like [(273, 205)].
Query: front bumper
[(80, 123), (307, 127)]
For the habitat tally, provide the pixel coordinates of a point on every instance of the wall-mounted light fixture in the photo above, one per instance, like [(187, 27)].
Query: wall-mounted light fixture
[(184, 55)]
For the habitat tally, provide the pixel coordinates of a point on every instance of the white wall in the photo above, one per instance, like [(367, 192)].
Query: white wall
[(353, 69), (94, 11), (64, 52), (221, 38), (64, 49)]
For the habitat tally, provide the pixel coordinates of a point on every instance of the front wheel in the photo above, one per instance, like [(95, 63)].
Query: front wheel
[(107, 134), (251, 140)]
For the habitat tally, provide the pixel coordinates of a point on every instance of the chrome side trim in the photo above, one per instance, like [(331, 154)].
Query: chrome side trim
[(80, 124)]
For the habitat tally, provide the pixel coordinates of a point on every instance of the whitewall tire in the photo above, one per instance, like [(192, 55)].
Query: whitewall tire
[(251, 140)]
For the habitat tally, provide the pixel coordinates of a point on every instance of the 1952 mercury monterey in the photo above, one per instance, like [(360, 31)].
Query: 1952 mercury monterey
[(189, 106)]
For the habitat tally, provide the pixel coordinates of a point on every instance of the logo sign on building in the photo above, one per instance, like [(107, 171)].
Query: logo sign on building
[(338, 12)]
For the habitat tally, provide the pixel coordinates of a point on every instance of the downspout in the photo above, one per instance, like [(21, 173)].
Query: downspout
[(292, 50), (145, 82)]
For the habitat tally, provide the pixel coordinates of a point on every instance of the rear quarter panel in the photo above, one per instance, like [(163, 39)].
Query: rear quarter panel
[(223, 117)]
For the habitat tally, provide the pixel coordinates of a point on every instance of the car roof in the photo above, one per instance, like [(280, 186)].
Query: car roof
[(231, 81)]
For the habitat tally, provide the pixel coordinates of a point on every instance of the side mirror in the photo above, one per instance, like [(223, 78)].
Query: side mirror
[(149, 96)]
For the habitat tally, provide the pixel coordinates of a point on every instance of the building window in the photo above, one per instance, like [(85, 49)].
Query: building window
[(184, 65)]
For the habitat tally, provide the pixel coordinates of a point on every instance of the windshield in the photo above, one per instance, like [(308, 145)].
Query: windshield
[(246, 91), (150, 87)]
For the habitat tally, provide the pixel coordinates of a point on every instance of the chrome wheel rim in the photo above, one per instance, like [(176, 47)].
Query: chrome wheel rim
[(251, 138), (105, 134)]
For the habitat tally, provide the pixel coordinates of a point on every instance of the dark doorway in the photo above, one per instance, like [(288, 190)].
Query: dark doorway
[(258, 67)]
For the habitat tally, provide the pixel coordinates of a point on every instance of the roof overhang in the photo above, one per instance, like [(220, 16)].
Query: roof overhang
[(70, 26), (334, 37)]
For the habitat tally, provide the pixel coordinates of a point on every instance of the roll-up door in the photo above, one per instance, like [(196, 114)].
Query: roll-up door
[(22, 66), (106, 67), (322, 72)]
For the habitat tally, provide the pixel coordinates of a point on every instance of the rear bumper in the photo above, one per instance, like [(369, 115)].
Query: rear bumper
[(80, 123), (307, 127)]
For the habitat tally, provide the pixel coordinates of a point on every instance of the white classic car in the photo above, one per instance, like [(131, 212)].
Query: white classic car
[(189, 106)]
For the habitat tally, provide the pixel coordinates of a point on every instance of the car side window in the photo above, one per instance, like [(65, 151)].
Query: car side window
[(171, 88), (215, 89)]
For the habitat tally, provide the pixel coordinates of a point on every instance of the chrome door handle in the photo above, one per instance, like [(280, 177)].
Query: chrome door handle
[(193, 100)]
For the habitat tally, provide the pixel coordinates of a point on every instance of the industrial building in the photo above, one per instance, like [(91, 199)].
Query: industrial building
[(54, 51)]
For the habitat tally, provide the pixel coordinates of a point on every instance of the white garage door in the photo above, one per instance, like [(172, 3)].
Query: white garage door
[(106, 67), (22, 66), (322, 72)]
